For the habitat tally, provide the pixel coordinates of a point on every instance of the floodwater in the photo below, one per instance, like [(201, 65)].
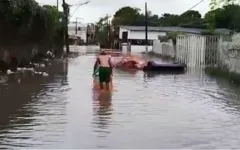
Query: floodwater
[(191, 110)]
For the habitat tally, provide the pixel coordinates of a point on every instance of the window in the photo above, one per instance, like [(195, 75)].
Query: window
[(125, 36), (79, 28)]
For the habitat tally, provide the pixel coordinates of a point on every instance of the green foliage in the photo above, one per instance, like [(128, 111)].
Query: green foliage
[(102, 30), (214, 4), (132, 16), (126, 16), (225, 17), (208, 33), (24, 21), (222, 72), (218, 17)]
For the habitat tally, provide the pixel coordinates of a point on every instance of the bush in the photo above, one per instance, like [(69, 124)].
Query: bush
[(221, 72), (24, 23)]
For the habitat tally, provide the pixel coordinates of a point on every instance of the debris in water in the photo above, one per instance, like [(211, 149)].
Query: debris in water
[(42, 65), (45, 74), (9, 71)]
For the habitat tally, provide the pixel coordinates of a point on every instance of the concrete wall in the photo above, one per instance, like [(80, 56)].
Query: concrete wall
[(163, 48), (136, 48), (80, 33), (83, 48), (230, 54), (140, 48)]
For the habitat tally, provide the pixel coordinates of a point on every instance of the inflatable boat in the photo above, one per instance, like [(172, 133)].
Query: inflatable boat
[(152, 66)]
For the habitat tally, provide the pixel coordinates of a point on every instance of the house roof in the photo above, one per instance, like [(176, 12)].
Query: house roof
[(174, 29)]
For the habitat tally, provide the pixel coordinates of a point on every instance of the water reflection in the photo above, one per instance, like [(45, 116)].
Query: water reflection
[(26, 107), (150, 74), (102, 112), (188, 110), (229, 94)]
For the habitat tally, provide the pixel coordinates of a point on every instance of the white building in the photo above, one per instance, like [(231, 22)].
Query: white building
[(136, 35), (81, 30)]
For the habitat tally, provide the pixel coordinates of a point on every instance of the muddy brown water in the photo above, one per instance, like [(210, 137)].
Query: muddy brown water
[(189, 110)]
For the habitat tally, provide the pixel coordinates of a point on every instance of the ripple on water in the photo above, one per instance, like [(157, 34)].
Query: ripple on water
[(162, 111), (40, 121)]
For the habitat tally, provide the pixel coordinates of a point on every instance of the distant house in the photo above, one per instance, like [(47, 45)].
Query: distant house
[(136, 34), (90, 33), (81, 31)]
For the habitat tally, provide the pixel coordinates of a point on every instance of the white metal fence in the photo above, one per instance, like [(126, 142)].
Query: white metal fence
[(197, 50), (192, 50)]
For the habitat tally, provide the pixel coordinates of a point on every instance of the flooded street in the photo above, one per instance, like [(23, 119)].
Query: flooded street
[(191, 110)]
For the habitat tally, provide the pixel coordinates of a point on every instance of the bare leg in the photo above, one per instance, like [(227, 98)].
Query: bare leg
[(101, 85), (107, 85)]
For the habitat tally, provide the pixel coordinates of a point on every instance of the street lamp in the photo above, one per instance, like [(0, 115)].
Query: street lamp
[(80, 4), (78, 7)]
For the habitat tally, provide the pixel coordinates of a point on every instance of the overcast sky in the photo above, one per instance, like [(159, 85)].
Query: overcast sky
[(99, 8)]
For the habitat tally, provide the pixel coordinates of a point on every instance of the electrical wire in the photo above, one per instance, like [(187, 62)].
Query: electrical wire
[(195, 5)]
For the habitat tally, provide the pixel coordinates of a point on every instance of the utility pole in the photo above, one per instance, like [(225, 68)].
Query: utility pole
[(66, 9), (57, 5), (76, 25), (109, 34), (66, 13), (146, 27)]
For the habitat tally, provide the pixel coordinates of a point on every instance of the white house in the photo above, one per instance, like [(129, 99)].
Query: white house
[(136, 35), (81, 30)]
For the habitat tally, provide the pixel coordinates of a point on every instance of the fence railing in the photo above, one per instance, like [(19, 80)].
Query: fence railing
[(192, 50), (198, 50)]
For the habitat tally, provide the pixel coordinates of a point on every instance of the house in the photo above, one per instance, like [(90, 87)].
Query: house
[(78, 29), (136, 34), (91, 33)]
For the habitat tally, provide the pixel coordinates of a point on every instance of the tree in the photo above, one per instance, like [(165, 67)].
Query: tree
[(102, 31), (169, 20), (214, 4), (126, 16), (132, 16), (190, 16), (225, 17), (24, 22)]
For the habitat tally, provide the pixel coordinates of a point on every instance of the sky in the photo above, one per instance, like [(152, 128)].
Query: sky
[(92, 11)]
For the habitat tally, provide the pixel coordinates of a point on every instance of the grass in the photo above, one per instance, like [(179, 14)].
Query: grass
[(224, 73)]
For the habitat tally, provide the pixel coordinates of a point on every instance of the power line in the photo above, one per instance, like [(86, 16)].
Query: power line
[(195, 5)]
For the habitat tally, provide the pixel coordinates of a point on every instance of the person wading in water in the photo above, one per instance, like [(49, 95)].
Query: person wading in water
[(105, 69)]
